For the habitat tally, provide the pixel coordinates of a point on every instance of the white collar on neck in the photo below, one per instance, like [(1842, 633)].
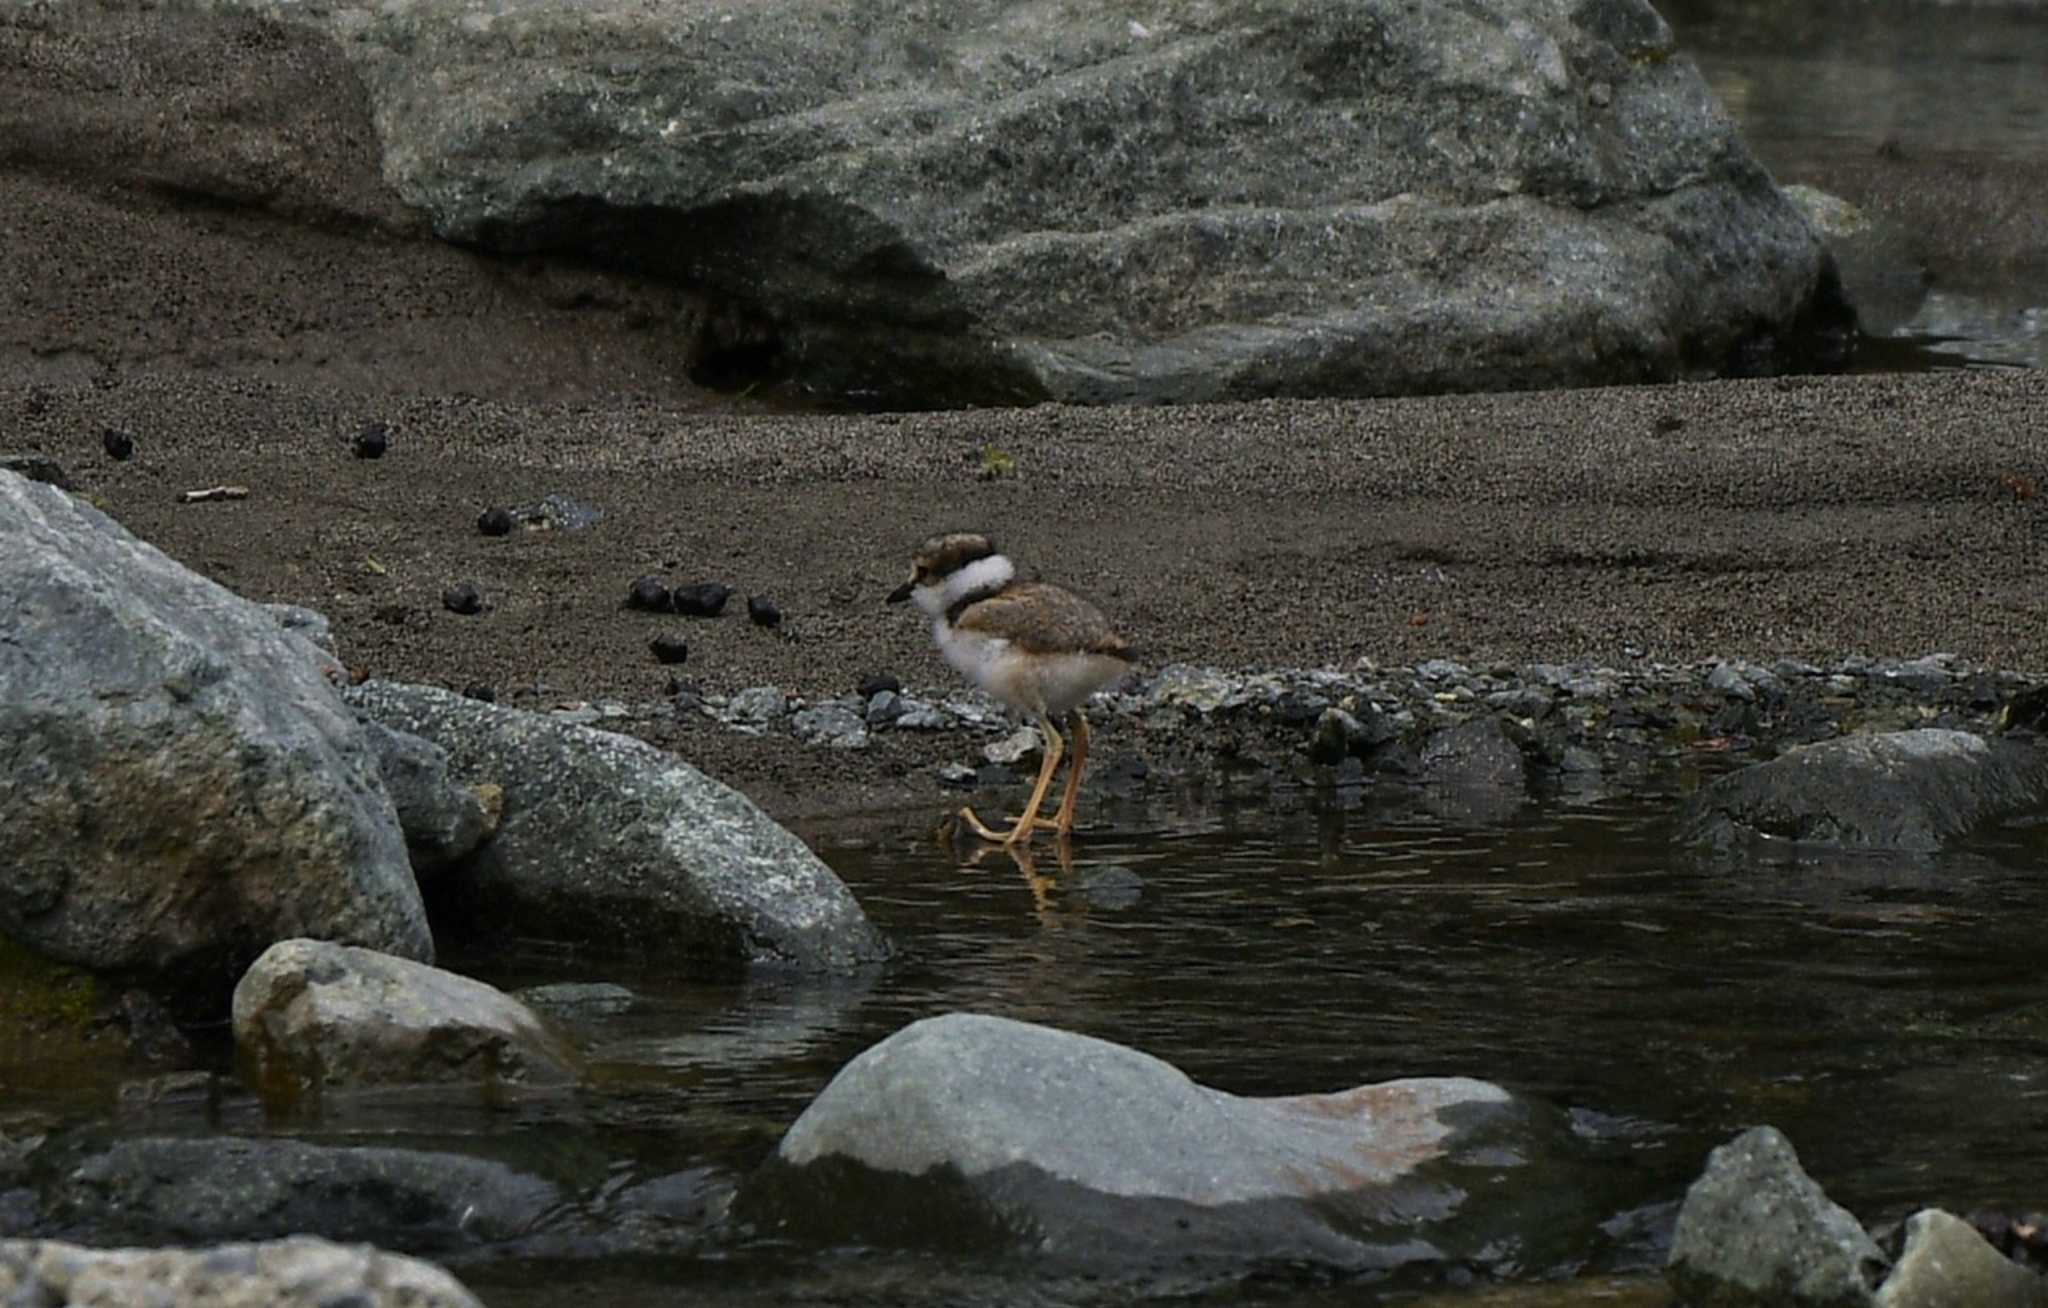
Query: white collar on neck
[(984, 576)]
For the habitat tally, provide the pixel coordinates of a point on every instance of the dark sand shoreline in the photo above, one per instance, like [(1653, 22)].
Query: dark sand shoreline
[(1795, 518)]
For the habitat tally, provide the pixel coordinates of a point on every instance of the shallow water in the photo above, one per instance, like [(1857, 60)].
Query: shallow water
[(1815, 84), (1883, 1014)]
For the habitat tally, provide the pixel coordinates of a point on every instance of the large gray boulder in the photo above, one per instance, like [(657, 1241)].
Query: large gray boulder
[(612, 844), (301, 1272), (1901, 790), (1756, 1230), (980, 1130), (312, 1017), (181, 784), (992, 201)]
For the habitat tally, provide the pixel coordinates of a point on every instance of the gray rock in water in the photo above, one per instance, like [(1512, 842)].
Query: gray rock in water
[(983, 1130), (1477, 753), (176, 1190), (1946, 1263), (1903, 790), (443, 820), (182, 785), (1756, 1230), (610, 843), (300, 1272), (312, 1018), (1473, 774)]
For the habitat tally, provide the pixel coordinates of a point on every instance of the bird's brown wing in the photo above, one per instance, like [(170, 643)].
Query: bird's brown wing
[(1040, 618)]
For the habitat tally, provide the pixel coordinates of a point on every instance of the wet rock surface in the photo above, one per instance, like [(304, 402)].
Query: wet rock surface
[(161, 1190), (614, 845), (313, 1019), (1756, 1229), (1905, 790), (301, 1272), (174, 745), (1943, 1260), (1095, 1153)]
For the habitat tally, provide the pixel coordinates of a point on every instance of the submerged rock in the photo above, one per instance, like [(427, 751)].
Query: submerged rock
[(311, 1018), (300, 1272), (975, 1130), (177, 1190), (615, 845), (1902, 790), (182, 785), (1756, 1230)]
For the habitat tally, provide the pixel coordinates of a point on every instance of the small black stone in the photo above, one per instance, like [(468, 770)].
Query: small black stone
[(703, 599), (878, 683), (372, 441), (763, 611), (669, 649), (650, 595), (494, 521), (118, 444), (477, 690), (464, 598)]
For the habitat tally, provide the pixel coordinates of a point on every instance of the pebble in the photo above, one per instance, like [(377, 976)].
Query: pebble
[(118, 444), (463, 597), (703, 599), (834, 725), (763, 611), (1021, 744), (756, 705), (957, 775), (649, 595), (669, 649), (875, 685), (556, 513), (494, 521), (372, 441), (480, 692)]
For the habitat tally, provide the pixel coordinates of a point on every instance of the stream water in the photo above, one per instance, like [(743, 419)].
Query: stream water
[(1884, 1014), (1859, 98)]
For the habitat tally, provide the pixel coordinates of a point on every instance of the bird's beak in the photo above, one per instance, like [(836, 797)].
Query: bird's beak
[(901, 593)]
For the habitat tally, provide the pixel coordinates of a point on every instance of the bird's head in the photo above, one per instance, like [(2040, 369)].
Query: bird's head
[(951, 566)]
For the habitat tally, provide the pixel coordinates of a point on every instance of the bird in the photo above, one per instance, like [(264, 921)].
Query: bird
[(1039, 648)]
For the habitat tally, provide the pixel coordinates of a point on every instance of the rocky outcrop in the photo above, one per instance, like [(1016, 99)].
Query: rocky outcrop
[(182, 784), (1756, 1229), (312, 1018), (615, 845), (302, 1272), (1000, 202), (979, 1131), (1901, 790)]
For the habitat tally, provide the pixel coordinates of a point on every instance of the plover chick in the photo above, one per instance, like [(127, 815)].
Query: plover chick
[(1038, 648)]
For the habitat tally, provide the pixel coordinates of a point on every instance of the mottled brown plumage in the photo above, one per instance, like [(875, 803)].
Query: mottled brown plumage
[(1040, 618)]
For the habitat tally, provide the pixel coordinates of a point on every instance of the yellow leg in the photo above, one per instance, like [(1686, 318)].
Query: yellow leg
[(1063, 821), (1054, 747)]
